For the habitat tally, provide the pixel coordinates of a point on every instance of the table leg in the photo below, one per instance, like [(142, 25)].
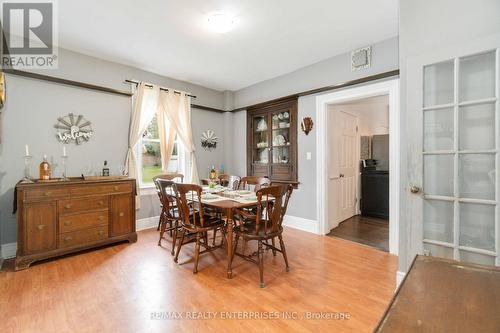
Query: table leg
[(229, 215)]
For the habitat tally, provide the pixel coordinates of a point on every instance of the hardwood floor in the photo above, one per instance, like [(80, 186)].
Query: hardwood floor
[(370, 231), (128, 287)]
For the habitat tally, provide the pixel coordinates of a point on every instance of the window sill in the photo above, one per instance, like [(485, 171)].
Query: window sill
[(147, 190)]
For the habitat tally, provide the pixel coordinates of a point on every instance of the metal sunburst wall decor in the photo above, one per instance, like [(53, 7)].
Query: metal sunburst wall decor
[(209, 140), (73, 128)]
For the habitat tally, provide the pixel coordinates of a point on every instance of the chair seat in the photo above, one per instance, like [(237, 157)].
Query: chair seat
[(210, 222), (248, 230)]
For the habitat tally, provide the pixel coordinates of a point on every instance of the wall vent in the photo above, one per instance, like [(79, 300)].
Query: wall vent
[(361, 58)]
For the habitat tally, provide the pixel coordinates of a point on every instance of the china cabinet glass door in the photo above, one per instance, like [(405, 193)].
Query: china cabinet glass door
[(460, 214), (261, 144)]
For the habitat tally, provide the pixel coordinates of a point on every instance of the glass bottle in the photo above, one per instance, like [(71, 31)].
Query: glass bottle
[(45, 169), (213, 173), (105, 169)]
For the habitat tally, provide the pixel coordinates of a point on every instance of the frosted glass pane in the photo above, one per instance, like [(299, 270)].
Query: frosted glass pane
[(477, 127), (438, 129), (477, 176), (438, 220), (477, 77), (438, 251), (477, 258), (477, 226), (438, 174), (438, 83)]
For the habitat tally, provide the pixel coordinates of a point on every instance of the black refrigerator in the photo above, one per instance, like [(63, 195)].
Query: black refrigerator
[(375, 180)]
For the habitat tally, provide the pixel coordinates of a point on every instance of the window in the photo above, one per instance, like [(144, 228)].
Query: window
[(150, 153)]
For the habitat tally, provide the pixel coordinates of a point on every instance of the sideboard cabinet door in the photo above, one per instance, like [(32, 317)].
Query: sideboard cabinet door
[(40, 219), (121, 214)]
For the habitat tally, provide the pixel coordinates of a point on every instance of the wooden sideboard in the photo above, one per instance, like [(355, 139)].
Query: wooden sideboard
[(57, 218)]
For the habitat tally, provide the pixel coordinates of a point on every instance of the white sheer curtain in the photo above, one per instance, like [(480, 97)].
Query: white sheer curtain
[(167, 139), (145, 106), (177, 109)]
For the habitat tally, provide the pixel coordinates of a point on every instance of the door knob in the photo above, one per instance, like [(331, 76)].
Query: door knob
[(414, 189), (341, 175)]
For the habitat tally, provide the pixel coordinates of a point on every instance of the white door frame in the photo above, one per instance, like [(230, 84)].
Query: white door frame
[(388, 87)]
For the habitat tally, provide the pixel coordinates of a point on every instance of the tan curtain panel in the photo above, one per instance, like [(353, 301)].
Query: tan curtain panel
[(145, 106)]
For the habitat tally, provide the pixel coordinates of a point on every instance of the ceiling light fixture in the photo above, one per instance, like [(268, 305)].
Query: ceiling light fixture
[(220, 23)]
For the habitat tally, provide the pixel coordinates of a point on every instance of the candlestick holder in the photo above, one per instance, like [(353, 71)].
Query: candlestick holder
[(64, 177), (27, 169)]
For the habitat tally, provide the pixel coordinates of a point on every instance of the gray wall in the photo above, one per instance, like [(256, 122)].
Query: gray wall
[(32, 109), (428, 25), (328, 72)]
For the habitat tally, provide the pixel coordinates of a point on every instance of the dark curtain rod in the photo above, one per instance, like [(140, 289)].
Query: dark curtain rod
[(161, 88)]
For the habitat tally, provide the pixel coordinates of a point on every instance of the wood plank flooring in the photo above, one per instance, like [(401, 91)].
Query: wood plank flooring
[(370, 231), (132, 287)]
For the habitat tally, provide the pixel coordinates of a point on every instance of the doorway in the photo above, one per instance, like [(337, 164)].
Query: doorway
[(358, 170), (324, 103)]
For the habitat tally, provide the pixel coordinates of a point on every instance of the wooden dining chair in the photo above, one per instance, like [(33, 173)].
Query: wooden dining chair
[(233, 182), (255, 181), (195, 224), (267, 225), (168, 176), (169, 213)]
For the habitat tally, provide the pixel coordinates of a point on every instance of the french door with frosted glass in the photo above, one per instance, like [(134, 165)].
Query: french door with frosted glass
[(457, 159)]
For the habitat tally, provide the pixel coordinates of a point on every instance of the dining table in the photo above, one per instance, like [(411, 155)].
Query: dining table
[(227, 201)]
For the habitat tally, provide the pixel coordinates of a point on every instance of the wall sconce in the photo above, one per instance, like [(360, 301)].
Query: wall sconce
[(306, 125)]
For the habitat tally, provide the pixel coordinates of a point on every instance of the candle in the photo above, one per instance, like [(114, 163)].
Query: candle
[(64, 150), (27, 150)]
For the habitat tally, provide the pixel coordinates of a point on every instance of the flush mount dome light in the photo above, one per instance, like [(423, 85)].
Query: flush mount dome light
[(220, 23)]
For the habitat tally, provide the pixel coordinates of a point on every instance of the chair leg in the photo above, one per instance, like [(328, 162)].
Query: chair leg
[(244, 246), (197, 253), (261, 264), (170, 228), (174, 237), (162, 231), (179, 246), (274, 245), (282, 247)]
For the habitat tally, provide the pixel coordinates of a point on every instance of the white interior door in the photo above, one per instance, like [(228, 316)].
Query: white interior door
[(453, 122), (344, 165)]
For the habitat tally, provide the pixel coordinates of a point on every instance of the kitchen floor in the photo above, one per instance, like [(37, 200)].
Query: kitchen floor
[(366, 230)]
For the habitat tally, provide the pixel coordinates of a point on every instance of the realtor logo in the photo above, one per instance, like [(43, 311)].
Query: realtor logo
[(29, 34)]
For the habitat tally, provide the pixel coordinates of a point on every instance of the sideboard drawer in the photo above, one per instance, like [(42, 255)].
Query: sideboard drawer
[(102, 189), (82, 237), (69, 223), (47, 193), (72, 206)]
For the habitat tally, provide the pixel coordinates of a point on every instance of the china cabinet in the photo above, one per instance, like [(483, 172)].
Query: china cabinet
[(272, 140)]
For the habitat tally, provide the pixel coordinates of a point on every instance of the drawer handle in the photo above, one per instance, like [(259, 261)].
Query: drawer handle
[(100, 203), (67, 239), (100, 233), (115, 188), (101, 218), (68, 223), (47, 193), (40, 226), (122, 214), (68, 206)]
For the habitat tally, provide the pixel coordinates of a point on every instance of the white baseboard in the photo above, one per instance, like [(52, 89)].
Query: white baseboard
[(146, 223), (9, 250), (399, 278), (301, 223)]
